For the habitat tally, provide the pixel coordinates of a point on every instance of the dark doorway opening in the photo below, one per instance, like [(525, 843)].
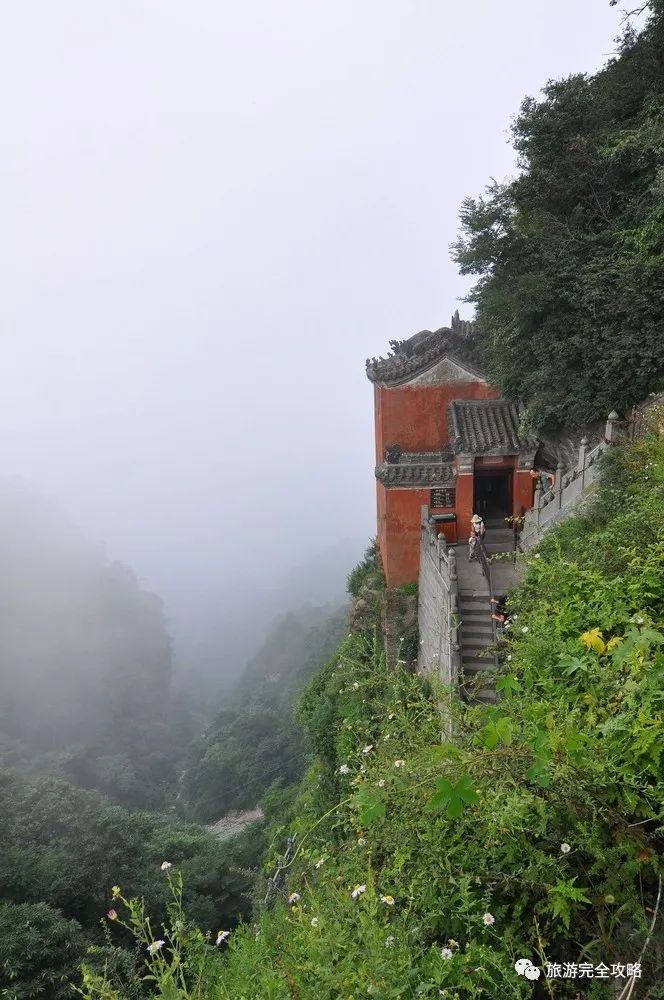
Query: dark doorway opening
[(492, 493)]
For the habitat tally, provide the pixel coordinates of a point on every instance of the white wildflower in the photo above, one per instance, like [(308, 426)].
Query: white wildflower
[(361, 841), (639, 620), (399, 763), (509, 657), (356, 686), (446, 953), (319, 863), (390, 716), (488, 919), (344, 769), (155, 947), (314, 921), (222, 936), (524, 629), (368, 748), (565, 848), (389, 941), (537, 555), (165, 865), (358, 890), (388, 900), (381, 783), (294, 898)]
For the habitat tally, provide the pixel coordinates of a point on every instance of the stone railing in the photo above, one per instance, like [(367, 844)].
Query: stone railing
[(438, 605), (555, 504)]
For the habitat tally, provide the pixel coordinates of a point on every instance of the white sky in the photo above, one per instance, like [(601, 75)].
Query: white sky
[(212, 213)]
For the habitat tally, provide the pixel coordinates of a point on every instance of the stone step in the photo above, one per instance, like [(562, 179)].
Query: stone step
[(475, 626), (475, 638), (487, 697), (473, 661), (473, 670), (475, 621)]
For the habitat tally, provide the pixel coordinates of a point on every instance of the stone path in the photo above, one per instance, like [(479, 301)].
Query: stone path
[(476, 631)]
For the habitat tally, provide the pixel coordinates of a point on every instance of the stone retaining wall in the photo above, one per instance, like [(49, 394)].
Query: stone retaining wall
[(437, 605)]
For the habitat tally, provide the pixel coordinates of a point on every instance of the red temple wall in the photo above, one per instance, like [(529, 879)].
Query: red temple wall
[(415, 417), (464, 505), (524, 491), (399, 518)]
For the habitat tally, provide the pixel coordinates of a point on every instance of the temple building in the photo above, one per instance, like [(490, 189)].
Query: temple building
[(444, 438)]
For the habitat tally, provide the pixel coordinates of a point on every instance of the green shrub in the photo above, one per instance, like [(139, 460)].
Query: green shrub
[(367, 572)]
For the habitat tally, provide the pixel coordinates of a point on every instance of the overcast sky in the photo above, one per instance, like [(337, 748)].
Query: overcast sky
[(212, 213)]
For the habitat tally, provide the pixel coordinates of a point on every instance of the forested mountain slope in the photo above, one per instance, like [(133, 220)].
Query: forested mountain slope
[(85, 659), (253, 742)]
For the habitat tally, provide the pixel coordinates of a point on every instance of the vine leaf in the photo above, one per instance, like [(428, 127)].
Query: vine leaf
[(501, 731), (370, 805), (452, 796)]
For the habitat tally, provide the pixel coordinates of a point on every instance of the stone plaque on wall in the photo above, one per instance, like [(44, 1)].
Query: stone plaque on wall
[(443, 497)]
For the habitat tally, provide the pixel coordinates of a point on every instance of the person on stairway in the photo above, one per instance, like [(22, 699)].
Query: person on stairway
[(477, 533), (499, 616)]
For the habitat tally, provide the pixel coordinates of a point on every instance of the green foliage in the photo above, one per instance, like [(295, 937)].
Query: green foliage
[(67, 846), (62, 850), (367, 574), (534, 831), (253, 745), (570, 253), (40, 952)]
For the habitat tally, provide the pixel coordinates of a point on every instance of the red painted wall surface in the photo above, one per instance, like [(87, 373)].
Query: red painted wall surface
[(524, 491), (399, 516), (464, 505), (415, 417)]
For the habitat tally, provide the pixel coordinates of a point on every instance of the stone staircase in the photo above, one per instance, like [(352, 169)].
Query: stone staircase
[(475, 626), (499, 539), (476, 639)]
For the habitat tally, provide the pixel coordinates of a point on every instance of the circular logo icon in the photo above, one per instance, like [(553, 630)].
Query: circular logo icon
[(521, 965)]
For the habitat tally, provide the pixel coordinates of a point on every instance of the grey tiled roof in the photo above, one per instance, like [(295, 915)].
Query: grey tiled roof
[(411, 357), (486, 427), (422, 468)]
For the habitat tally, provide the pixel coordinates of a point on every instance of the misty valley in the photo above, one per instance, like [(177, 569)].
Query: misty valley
[(332, 500), (108, 769)]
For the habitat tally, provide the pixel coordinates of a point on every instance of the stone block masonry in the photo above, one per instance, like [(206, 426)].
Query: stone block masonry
[(438, 605)]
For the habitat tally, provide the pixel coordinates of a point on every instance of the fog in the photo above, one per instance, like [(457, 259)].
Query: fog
[(212, 214)]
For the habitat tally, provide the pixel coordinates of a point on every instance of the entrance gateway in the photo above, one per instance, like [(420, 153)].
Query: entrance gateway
[(493, 493)]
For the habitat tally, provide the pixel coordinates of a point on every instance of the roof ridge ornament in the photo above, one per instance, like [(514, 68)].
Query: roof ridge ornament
[(411, 357)]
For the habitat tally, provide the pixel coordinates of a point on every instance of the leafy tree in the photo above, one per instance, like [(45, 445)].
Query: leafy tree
[(40, 952), (570, 253)]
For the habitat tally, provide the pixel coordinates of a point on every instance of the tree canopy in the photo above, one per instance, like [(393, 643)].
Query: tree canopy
[(570, 253)]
